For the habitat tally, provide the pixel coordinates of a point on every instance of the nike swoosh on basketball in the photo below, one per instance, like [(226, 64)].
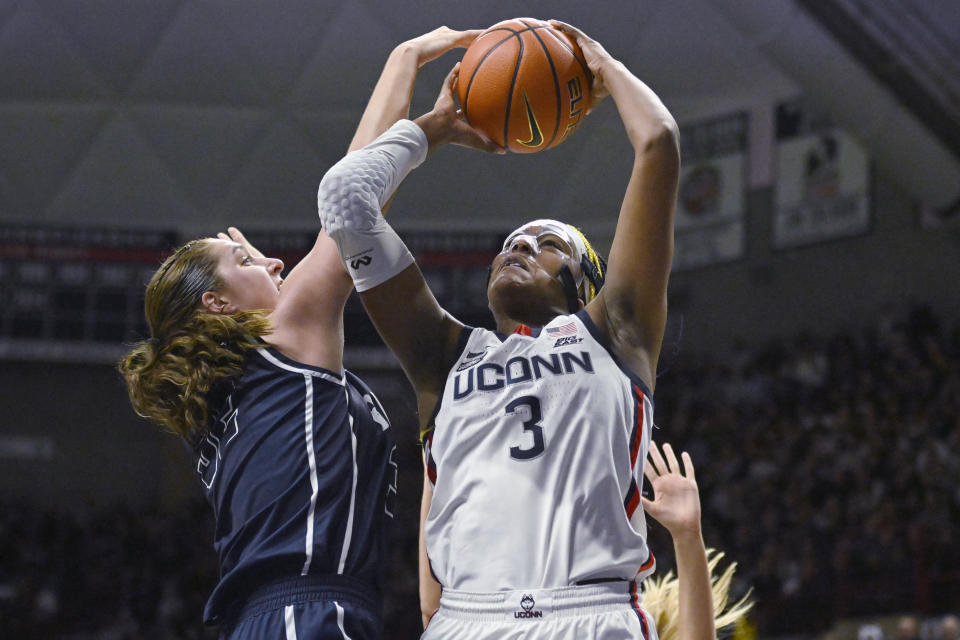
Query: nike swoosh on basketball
[(536, 136)]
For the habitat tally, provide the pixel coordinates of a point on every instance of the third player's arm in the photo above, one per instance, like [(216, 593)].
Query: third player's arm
[(676, 505)]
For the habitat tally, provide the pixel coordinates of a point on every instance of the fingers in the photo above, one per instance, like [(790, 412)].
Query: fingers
[(650, 472), (232, 234), (667, 463), (569, 29), (452, 77), (688, 466), (658, 460), (671, 458), (466, 38), (649, 506), (446, 91), (469, 137), (492, 147)]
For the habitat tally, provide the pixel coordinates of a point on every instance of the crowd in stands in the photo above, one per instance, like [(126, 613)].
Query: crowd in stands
[(828, 467)]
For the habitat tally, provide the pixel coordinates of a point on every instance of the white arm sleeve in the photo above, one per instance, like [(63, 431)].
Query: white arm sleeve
[(352, 194)]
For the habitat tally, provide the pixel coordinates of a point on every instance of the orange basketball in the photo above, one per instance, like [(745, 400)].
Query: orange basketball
[(524, 84)]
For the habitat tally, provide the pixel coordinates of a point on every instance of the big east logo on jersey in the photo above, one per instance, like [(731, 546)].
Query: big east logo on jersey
[(567, 341), (526, 604)]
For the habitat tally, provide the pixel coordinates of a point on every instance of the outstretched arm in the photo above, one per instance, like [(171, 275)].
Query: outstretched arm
[(632, 306), (308, 324), (676, 505), (390, 100), (351, 196)]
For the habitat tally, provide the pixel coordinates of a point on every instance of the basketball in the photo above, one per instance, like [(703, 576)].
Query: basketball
[(524, 84)]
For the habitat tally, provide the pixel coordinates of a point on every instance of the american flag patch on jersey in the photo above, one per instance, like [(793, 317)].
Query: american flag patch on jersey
[(568, 329)]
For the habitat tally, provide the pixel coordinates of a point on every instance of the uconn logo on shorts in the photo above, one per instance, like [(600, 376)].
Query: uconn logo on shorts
[(526, 604)]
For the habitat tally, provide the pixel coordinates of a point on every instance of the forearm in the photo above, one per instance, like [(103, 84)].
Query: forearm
[(390, 100), (696, 618), (647, 121)]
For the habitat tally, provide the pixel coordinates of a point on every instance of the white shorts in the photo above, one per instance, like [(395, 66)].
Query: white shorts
[(607, 611)]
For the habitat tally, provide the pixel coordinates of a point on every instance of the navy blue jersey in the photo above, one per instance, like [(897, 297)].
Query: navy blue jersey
[(299, 468)]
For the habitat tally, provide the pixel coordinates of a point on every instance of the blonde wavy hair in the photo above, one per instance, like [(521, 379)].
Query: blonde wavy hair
[(191, 352), (661, 598)]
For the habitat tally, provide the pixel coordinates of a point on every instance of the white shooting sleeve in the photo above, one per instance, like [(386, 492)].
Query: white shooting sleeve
[(352, 194)]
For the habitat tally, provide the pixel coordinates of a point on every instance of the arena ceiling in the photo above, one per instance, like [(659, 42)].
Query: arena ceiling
[(193, 114)]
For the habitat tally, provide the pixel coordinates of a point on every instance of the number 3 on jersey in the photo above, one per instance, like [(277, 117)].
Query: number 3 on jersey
[(532, 404)]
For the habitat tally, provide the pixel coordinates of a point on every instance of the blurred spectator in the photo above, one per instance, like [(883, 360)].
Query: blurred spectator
[(908, 628), (949, 628)]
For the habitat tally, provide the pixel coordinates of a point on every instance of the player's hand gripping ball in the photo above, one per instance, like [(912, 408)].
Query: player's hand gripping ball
[(524, 84)]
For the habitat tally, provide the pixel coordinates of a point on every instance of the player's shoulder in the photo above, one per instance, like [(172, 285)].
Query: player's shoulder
[(268, 359)]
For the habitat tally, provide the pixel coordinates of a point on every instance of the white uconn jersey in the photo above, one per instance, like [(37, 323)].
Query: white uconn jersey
[(536, 457)]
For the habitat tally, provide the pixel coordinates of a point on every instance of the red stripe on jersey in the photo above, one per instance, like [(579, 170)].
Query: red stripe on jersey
[(428, 457), (637, 439), (635, 603), (523, 330), (648, 564), (633, 498)]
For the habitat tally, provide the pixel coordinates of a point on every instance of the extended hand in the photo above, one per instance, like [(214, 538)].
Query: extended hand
[(445, 123), (676, 503), (236, 236), (434, 44), (594, 54)]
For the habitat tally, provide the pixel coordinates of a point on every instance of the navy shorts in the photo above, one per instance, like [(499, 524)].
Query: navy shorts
[(309, 608)]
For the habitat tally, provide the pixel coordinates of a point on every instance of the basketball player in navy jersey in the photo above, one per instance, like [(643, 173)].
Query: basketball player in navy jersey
[(536, 434), (294, 453)]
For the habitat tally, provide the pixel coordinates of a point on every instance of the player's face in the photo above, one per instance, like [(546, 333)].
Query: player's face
[(526, 269), (249, 282)]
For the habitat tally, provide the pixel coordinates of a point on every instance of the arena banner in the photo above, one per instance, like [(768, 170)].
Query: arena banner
[(710, 205), (822, 182)]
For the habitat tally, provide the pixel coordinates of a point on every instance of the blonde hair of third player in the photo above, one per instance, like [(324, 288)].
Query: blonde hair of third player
[(661, 599)]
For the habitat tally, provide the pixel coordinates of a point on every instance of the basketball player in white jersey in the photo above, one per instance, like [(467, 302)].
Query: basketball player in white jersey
[(536, 434)]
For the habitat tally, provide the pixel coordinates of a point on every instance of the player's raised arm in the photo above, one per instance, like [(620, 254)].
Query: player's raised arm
[(676, 505), (390, 100), (310, 320), (351, 197), (632, 306)]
